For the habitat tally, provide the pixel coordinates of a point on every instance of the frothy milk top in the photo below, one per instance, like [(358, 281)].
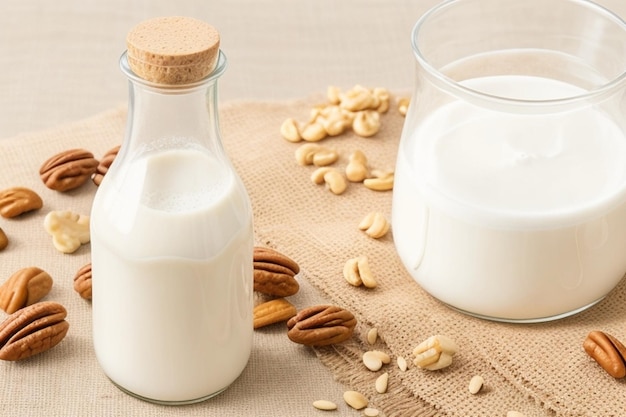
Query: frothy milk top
[(173, 50)]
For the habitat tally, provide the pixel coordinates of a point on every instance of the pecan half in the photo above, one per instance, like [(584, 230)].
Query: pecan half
[(274, 273), (32, 330), (82, 282), (321, 325), (4, 240), (607, 351), (104, 165), (273, 311), (68, 170), (23, 288), (18, 200)]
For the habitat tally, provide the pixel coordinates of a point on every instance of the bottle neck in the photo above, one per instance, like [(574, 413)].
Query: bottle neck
[(172, 116)]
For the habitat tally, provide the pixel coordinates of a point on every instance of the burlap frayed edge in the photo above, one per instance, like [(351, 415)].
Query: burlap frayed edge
[(344, 360)]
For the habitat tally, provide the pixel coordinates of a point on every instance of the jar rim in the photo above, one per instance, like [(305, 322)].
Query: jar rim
[(462, 91)]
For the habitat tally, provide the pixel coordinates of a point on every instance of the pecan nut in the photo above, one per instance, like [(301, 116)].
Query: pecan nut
[(273, 311), (607, 351), (25, 287), (68, 170), (18, 200), (32, 330), (4, 240), (82, 282), (274, 273), (321, 325), (104, 165)]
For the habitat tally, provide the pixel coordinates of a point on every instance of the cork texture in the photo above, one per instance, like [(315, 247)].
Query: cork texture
[(173, 50)]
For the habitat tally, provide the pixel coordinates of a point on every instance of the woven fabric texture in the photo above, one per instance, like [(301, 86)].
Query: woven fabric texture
[(538, 369)]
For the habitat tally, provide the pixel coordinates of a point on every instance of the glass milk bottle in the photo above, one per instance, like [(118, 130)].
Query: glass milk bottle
[(171, 228), (510, 188)]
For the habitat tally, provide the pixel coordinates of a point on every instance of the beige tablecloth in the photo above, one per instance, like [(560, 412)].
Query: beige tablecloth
[(59, 68)]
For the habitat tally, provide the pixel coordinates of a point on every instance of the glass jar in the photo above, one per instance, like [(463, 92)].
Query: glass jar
[(172, 246), (510, 188)]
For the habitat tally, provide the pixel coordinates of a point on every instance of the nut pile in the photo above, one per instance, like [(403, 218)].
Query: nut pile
[(336, 180), (274, 276), (358, 109), (34, 326)]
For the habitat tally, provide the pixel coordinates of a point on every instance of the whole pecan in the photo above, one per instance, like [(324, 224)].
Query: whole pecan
[(4, 240), (32, 330), (321, 325), (104, 165), (607, 351), (274, 273), (68, 170), (23, 288), (17, 200), (82, 282)]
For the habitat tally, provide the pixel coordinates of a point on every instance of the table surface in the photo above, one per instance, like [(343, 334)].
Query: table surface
[(59, 64)]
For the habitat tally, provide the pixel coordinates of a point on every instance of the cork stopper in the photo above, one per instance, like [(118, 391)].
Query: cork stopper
[(173, 50)]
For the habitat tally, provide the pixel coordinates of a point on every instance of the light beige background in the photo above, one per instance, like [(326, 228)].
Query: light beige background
[(59, 59), (59, 64)]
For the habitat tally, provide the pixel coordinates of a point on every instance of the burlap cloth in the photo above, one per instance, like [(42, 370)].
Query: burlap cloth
[(540, 369)]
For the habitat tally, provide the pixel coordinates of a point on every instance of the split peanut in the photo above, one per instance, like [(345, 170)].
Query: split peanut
[(476, 384), (355, 400), (371, 412), (402, 364), (324, 405), (372, 336), (382, 383)]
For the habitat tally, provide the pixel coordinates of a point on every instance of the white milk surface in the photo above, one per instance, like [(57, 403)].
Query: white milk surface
[(172, 277), (513, 216)]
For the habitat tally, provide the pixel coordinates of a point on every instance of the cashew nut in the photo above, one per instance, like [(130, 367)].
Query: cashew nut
[(334, 119), (305, 153), (333, 94), (403, 105), (289, 130), (351, 272), (313, 132), (357, 271), (383, 96), (325, 157), (311, 153), (382, 181), (375, 225), (68, 230), (358, 98), (335, 182), (356, 170), (366, 123)]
